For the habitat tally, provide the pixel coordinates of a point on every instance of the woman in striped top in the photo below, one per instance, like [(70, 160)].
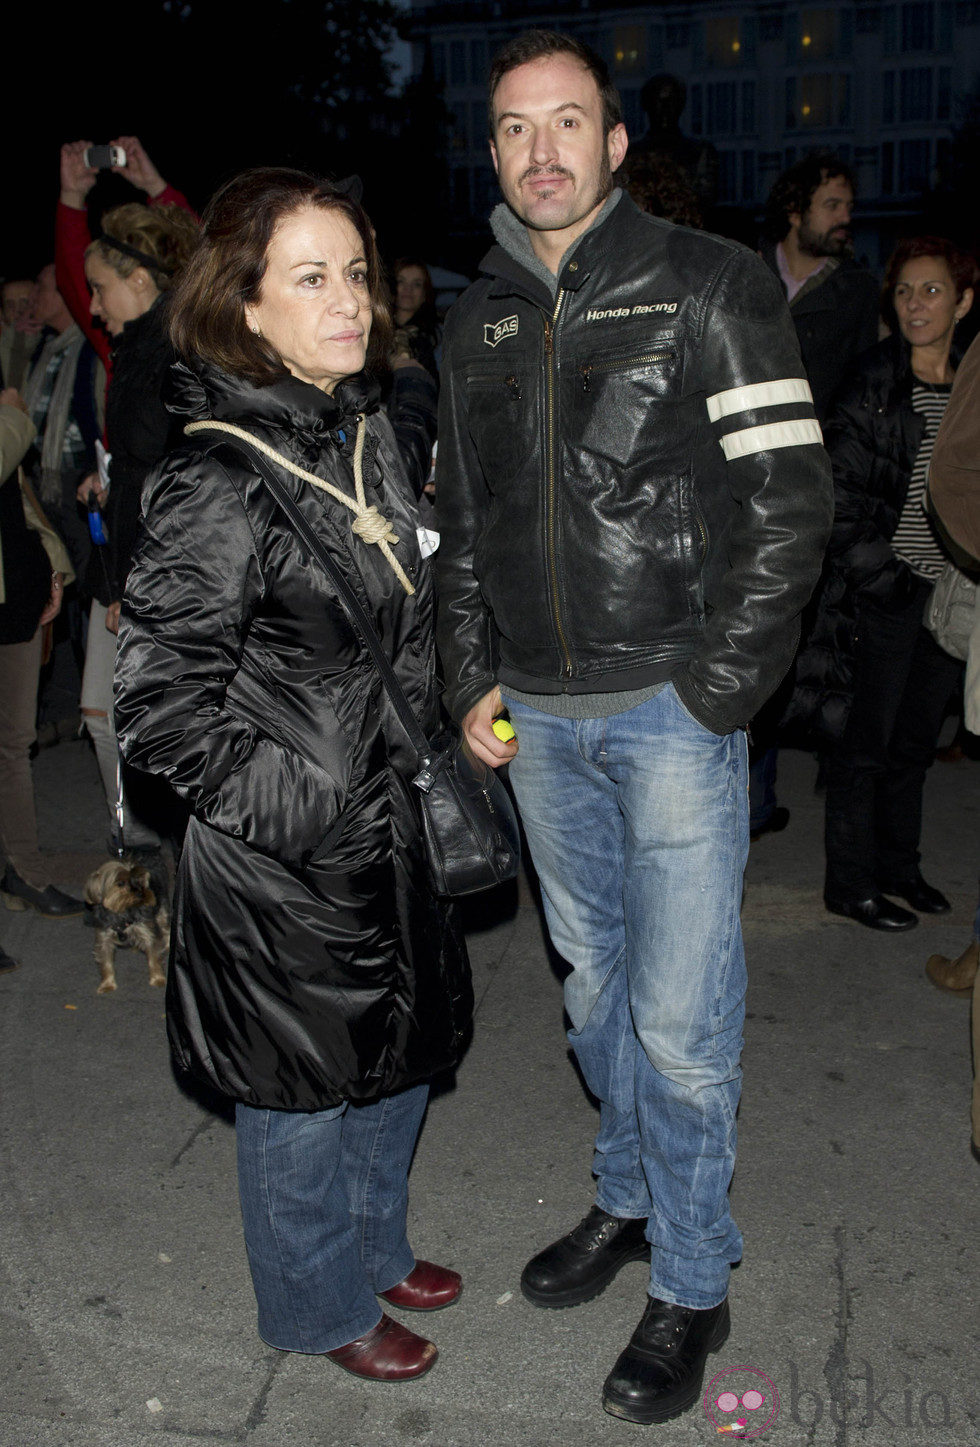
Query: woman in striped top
[(886, 553)]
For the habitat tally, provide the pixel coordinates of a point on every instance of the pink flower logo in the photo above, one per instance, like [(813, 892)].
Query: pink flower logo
[(741, 1402)]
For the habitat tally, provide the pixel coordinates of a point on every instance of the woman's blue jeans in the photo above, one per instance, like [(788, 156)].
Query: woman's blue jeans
[(324, 1199), (638, 828)]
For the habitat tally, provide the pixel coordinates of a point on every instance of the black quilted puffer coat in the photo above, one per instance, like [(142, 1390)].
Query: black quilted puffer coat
[(310, 962)]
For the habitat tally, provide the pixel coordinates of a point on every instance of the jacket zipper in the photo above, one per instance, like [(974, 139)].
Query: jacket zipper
[(703, 533), (494, 379), (621, 364), (550, 326)]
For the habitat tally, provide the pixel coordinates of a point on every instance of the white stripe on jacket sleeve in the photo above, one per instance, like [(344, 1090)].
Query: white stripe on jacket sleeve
[(766, 439), (758, 394)]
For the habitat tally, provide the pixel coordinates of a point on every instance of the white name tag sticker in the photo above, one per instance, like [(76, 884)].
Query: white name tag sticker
[(428, 541)]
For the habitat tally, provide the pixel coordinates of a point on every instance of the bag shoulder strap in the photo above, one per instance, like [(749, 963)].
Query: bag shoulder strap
[(358, 617)]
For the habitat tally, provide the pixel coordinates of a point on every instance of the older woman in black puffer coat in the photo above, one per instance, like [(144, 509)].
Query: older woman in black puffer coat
[(314, 977)]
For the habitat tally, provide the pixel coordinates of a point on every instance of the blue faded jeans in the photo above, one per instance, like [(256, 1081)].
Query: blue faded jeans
[(324, 1198), (638, 829)]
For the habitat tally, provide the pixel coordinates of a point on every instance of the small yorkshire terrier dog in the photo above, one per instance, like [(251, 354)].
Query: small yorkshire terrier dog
[(128, 905)]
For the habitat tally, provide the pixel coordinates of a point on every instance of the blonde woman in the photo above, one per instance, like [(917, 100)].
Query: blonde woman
[(126, 274)]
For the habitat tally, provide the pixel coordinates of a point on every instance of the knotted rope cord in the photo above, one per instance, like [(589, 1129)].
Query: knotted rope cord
[(369, 523)]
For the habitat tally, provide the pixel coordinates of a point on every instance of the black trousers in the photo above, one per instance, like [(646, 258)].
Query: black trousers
[(903, 681)]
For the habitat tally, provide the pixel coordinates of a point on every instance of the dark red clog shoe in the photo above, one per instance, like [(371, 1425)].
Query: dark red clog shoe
[(388, 1353), (426, 1288)]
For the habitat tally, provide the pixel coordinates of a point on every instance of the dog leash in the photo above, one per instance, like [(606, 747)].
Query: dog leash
[(120, 808)]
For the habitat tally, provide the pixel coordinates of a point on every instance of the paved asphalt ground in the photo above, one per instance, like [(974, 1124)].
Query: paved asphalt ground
[(126, 1312)]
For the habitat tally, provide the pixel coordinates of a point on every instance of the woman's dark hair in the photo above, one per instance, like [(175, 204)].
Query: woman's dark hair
[(537, 45), (962, 268), (793, 191), (225, 273), (428, 290)]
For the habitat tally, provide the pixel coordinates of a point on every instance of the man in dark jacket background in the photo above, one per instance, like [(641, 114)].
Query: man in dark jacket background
[(634, 503), (834, 305), (833, 301)]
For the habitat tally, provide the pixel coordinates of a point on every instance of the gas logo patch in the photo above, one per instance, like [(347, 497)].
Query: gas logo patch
[(494, 332)]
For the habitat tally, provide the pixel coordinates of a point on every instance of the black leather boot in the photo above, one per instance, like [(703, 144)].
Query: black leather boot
[(876, 912), (925, 898), (659, 1374), (52, 902), (581, 1265)]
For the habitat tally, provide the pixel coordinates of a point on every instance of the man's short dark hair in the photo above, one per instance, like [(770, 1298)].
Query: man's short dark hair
[(537, 45), (793, 192)]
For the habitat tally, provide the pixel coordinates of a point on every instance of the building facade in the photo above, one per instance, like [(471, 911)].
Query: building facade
[(882, 84)]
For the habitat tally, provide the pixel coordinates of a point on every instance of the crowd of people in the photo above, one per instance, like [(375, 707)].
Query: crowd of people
[(691, 502)]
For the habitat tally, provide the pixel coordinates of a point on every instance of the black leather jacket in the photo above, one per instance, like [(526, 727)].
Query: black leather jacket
[(630, 479)]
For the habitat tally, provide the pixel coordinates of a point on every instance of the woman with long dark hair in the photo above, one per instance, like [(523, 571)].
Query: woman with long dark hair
[(417, 330)]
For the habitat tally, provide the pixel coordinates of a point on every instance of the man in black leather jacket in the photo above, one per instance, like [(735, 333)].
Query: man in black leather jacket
[(634, 504)]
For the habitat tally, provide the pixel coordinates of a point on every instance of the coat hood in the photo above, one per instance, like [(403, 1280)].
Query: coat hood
[(197, 390)]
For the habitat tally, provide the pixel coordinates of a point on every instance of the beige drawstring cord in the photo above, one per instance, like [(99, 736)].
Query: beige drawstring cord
[(369, 523)]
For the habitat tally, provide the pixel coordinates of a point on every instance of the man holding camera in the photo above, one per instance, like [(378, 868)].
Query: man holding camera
[(634, 503)]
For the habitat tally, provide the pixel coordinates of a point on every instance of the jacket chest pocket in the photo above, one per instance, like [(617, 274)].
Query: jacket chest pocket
[(497, 409), (626, 404)]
